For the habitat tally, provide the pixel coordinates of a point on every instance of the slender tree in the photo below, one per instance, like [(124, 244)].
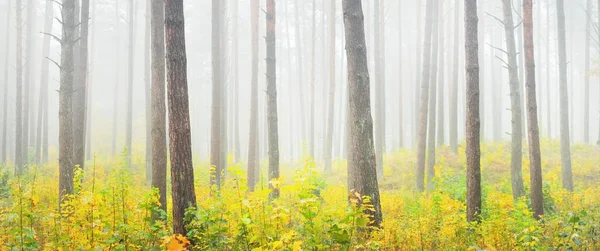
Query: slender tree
[(426, 69), (535, 166), (565, 141), (431, 125), (331, 104), (515, 100), (43, 99), (453, 102), (362, 172), (65, 110), (180, 143), (236, 84), (379, 82), (253, 148), (272, 100), (481, 62), (80, 88), (300, 63), (311, 130), (117, 79), (90, 71), (159, 123), (19, 158), (419, 73), (5, 98), (148, 89), (28, 83), (586, 76), (473, 150), (130, 67), (441, 79), (400, 82), (216, 120)]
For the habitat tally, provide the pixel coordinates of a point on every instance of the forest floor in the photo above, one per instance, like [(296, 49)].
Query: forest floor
[(112, 207)]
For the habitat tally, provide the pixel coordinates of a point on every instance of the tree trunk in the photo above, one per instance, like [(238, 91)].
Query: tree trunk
[(41, 118), (300, 63), (88, 118), (28, 83), (159, 116), (116, 86), (473, 151), (272, 100), (400, 81), (565, 141), (20, 160), (548, 98), (431, 125), (419, 67), (379, 66), (362, 172), (129, 118), (481, 63), (535, 166), (148, 91), (216, 120), (80, 89), (453, 117), (515, 100), (426, 69), (311, 150), (253, 147), (5, 99), (331, 105), (441, 81), (65, 111), (236, 71), (180, 145)]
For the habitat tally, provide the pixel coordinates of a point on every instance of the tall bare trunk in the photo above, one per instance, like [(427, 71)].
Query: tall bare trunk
[(20, 160), (481, 62), (300, 63), (330, 110), (441, 80), (379, 66), (253, 148), (426, 70), (236, 83), (130, 67), (148, 91), (473, 151), (419, 73), (65, 110), (180, 143), (116, 85), (311, 136), (565, 141), (28, 82), (453, 116), (159, 115), (80, 88), (535, 165), (400, 80), (41, 118), (88, 117), (362, 172), (5, 97), (431, 125), (216, 120), (515, 101), (272, 99)]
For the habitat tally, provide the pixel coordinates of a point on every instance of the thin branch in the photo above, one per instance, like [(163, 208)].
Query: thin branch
[(51, 60), (53, 36), (498, 48), (498, 19), (503, 61)]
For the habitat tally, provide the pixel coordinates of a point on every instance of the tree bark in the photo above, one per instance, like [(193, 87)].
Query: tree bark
[(431, 125), (216, 120), (515, 100), (400, 80), (311, 130), (20, 160), (41, 118), (253, 147), (453, 117), (28, 135), (473, 150), (180, 143), (300, 63), (90, 71), (273, 134), (236, 84), (159, 116), (379, 83), (426, 69), (362, 172), (130, 65), (65, 111), (535, 166), (481, 62), (5, 97), (148, 90), (80, 88), (116, 86), (331, 105), (565, 141), (441, 80), (419, 73)]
